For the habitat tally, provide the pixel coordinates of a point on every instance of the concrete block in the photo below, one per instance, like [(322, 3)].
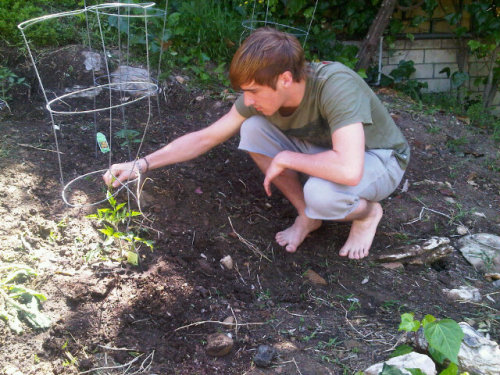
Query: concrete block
[(436, 85), (441, 56), (423, 71), (439, 67), (417, 56), (424, 44), (400, 44)]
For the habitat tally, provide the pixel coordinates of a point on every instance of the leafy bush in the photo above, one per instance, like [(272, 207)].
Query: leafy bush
[(17, 11)]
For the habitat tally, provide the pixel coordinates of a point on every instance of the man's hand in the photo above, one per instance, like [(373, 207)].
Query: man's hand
[(119, 173), (275, 169)]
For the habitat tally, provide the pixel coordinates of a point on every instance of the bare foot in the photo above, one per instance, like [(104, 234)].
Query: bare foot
[(296, 234), (362, 232)]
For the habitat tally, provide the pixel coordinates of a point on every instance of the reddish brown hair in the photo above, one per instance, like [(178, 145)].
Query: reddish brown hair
[(264, 55)]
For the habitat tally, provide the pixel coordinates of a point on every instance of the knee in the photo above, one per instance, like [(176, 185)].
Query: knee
[(325, 200), (252, 128)]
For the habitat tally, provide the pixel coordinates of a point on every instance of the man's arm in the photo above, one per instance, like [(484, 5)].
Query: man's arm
[(184, 148), (343, 164)]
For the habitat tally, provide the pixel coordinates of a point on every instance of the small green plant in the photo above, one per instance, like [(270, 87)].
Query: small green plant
[(18, 302), (114, 218), (443, 336), (128, 137), (455, 145), (400, 79)]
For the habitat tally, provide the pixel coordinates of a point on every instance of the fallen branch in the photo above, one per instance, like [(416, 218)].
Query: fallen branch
[(39, 148), (248, 244)]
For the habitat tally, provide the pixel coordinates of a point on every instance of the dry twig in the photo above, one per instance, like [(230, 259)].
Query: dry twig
[(248, 244)]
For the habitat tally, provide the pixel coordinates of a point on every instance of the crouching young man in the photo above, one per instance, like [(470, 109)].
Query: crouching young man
[(318, 119)]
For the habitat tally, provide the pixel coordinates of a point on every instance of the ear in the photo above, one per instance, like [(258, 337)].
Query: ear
[(285, 79)]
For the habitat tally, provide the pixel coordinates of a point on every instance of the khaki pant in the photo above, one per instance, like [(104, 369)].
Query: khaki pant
[(324, 199)]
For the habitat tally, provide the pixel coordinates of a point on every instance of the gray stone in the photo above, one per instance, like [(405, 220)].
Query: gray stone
[(482, 250), (219, 344), (92, 60), (427, 252), (478, 354), (264, 356), (410, 360), (135, 81)]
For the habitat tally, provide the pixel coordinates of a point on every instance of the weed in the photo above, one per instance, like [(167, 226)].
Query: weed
[(455, 145), (7, 81), (128, 137), (433, 129), (353, 302)]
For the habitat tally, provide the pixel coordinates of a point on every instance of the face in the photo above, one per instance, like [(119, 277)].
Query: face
[(263, 98)]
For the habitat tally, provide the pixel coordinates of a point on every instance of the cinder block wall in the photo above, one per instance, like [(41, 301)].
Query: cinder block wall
[(430, 57)]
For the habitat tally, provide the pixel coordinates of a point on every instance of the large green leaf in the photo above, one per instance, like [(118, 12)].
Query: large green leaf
[(401, 350), (445, 336)]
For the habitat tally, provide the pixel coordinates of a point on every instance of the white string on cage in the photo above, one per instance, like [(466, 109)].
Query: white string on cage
[(310, 23), (252, 24)]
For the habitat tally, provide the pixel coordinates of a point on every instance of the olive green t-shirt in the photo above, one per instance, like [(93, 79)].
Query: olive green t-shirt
[(336, 96)]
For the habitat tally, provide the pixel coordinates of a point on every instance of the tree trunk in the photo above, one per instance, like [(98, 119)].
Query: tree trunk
[(376, 30), (491, 86)]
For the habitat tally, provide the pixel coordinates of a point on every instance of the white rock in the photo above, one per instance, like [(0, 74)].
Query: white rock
[(411, 360), (482, 250), (465, 292), (227, 262), (135, 81), (462, 229), (92, 60), (478, 354)]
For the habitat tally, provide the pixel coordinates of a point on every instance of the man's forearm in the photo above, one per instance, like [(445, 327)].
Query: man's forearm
[(327, 165), (185, 148)]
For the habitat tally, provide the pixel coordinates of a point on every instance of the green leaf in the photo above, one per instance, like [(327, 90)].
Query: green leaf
[(132, 258), (390, 370), (452, 369), (110, 198), (445, 336), (19, 290), (474, 45), (428, 319), (12, 321), (34, 317), (401, 350), (408, 324), (108, 231), (437, 355)]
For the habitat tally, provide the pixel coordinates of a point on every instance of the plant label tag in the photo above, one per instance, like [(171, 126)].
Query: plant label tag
[(103, 143)]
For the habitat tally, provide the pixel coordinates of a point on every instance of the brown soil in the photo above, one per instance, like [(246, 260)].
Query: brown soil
[(101, 304)]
